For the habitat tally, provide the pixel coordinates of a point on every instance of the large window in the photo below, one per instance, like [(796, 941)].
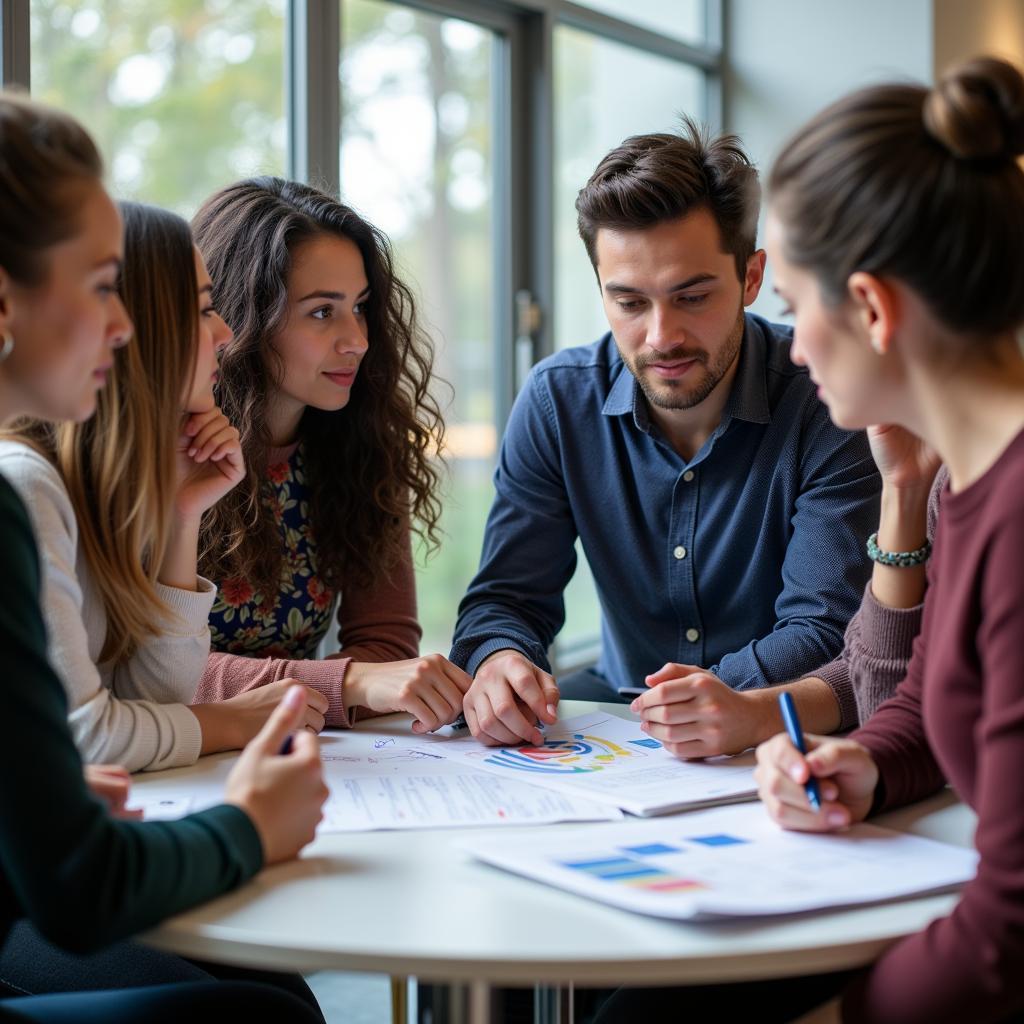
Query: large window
[(417, 160), (462, 128), (182, 96), (604, 92)]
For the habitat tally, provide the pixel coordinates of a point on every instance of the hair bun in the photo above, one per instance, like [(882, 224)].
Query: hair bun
[(977, 110)]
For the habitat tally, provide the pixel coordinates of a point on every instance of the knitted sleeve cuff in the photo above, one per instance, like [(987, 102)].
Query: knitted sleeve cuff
[(190, 609), (888, 633), (837, 675)]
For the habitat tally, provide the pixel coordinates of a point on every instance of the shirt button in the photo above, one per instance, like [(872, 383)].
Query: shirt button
[(688, 475), (680, 552), (693, 635)]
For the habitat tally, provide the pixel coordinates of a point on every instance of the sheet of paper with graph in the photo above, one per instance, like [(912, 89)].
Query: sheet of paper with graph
[(608, 759), (729, 862), (379, 782), (382, 782)]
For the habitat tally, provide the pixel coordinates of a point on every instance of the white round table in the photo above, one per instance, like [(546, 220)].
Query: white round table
[(413, 903)]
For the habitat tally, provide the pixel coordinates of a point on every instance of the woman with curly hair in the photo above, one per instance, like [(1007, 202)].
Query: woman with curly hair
[(327, 379)]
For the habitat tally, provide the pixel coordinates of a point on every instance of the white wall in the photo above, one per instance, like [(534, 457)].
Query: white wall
[(788, 58)]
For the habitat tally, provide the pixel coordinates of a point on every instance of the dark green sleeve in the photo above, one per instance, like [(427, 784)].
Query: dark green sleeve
[(82, 877)]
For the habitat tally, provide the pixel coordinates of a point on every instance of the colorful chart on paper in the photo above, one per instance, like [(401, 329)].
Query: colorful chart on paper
[(730, 861), (572, 755), (609, 759), (634, 873)]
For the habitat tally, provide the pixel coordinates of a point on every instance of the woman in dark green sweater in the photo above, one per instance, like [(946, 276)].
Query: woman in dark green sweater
[(82, 877)]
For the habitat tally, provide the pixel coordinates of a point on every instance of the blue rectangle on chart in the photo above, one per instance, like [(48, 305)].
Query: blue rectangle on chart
[(595, 866), (651, 849), (613, 870), (653, 744), (718, 840), (638, 870)]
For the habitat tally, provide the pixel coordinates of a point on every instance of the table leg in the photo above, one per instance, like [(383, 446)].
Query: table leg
[(553, 1004), (481, 1003), (399, 1000), (475, 1004), (453, 1003)]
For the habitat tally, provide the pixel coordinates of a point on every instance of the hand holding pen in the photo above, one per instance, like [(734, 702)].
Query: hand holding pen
[(842, 772), (795, 731)]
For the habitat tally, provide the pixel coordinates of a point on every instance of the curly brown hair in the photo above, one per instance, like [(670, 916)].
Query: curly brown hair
[(371, 465)]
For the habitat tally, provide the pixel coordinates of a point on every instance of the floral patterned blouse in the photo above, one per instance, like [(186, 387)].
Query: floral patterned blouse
[(291, 622), (258, 639)]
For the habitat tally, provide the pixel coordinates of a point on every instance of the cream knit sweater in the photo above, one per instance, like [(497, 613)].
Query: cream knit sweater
[(133, 713)]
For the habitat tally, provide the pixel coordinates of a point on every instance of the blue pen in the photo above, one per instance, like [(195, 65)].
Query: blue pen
[(286, 747), (796, 734)]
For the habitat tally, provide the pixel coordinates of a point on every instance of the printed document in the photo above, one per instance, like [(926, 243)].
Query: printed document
[(608, 759), (730, 862)]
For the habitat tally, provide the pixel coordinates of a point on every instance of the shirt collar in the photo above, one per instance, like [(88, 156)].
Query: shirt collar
[(624, 392), (748, 399)]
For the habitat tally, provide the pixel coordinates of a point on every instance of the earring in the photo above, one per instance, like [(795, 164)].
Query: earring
[(8, 345), (876, 344)]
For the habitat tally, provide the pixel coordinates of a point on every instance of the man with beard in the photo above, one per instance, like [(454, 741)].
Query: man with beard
[(722, 514)]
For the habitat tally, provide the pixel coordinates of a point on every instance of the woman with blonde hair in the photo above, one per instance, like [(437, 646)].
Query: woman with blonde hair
[(82, 877), (116, 503)]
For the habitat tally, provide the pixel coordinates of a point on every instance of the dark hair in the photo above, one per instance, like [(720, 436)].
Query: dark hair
[(43, 154), (917, 184), (650, 179), (369, 465)]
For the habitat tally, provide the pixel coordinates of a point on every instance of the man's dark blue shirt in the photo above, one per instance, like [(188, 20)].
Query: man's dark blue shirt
[(748, 559)]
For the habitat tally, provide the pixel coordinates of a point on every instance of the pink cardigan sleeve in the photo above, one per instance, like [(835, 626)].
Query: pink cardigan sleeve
[(376, 623)]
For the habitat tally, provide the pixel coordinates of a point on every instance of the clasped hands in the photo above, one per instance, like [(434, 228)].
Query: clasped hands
[(693, 714), (690, 711)]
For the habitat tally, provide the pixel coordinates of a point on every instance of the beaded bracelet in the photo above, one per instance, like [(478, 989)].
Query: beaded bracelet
[(898, 559)]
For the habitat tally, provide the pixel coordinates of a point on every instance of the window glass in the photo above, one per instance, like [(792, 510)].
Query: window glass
[(182, 96), (680, 19), (416, 159), (604, 92)]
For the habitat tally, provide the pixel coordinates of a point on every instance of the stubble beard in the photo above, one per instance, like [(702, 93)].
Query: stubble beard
[(680, 394)]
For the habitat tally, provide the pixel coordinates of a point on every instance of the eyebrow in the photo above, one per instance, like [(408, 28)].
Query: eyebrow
[(320, 293), (615, 288)]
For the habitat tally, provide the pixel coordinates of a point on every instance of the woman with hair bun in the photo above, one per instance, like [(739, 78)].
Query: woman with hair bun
[(897, 218), (895, 229)]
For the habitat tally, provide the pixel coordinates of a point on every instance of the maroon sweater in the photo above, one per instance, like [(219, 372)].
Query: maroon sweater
[(959, 716)]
